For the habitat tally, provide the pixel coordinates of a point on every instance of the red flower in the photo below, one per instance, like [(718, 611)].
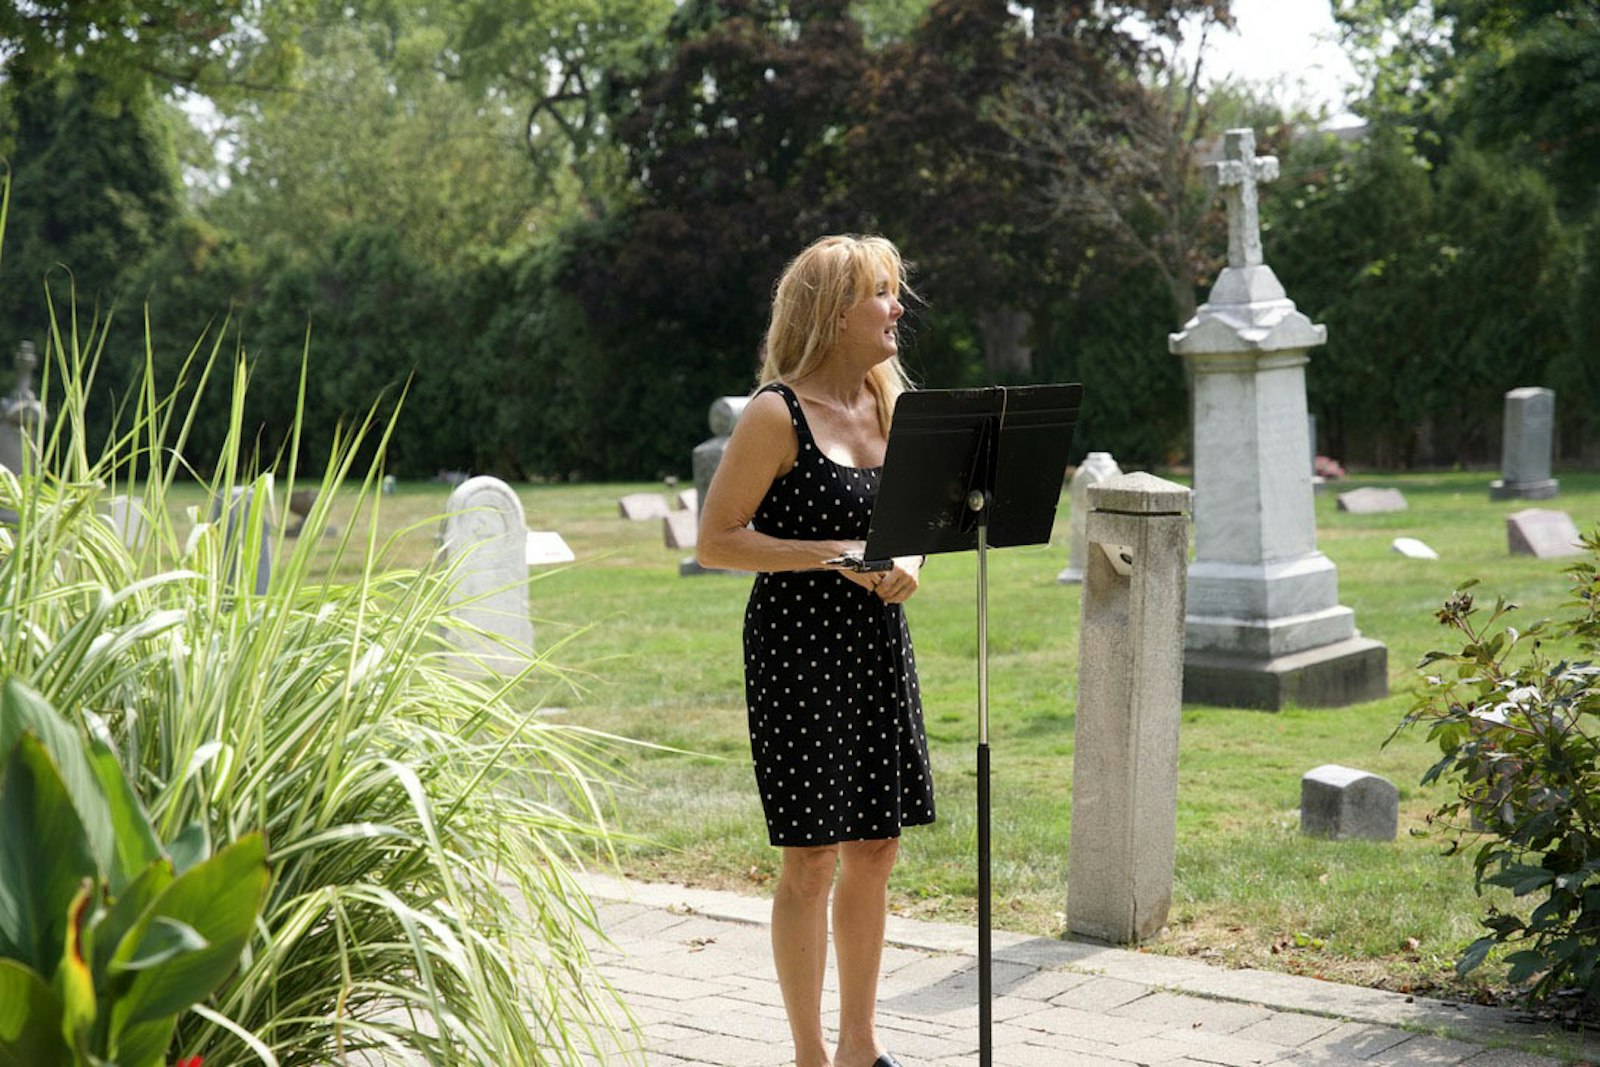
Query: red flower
[(192, 1061)]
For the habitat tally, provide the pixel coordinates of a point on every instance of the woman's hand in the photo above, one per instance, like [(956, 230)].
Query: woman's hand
[(895, 586), (866, 580)]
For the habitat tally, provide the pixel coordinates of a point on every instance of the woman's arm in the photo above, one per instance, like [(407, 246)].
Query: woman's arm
[(762, 449)]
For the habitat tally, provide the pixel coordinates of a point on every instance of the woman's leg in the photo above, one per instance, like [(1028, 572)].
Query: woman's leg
[(800, 945), (859, 906)]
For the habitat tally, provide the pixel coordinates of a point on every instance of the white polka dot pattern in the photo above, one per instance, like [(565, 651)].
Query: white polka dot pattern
[(830, 676)]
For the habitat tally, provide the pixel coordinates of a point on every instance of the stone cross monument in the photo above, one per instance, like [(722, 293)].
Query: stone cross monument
[(22, 417), (1264, 626)]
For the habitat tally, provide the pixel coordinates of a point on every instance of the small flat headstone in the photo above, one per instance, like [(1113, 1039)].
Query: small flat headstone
[(640, 507), (545, 547), (1542, 533), (1346, 804), (680, 529), (689, 500), (128, 520), (1371, 501), (1411, 548)]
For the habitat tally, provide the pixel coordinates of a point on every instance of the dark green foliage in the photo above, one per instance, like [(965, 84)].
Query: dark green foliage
[(94, 189), (1447, 280), (1517, 718)]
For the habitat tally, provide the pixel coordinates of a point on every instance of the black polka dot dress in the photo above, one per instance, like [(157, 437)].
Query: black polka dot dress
[(830, 679)]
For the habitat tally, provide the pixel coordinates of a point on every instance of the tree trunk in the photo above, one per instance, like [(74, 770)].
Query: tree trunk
[(1007, 355)]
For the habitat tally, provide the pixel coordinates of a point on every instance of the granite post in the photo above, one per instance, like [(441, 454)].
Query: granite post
[(1265, 626), (1130, 696), (1528, 439)]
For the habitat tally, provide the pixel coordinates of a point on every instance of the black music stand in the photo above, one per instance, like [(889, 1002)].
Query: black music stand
[(965, 469)]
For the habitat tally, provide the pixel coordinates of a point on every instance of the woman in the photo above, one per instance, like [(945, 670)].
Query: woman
[(835, 716)]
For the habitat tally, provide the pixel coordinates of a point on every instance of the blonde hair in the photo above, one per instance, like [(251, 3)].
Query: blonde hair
[(831, 276)]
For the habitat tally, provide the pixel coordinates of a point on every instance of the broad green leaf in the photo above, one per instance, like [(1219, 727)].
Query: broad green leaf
[(146, 1044), (192, 845), (73, 982), (44, 857), (125, 913), (30, 1019), (163, 939), (134, 839), (220, 899), (24, 711)]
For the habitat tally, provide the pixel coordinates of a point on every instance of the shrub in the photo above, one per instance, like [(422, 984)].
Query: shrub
[(421, 827), (1516, 715)]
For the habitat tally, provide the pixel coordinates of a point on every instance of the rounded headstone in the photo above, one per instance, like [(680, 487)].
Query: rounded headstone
[(725, 412)]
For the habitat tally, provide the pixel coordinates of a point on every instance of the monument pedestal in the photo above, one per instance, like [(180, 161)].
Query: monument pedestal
[(1544, 489), (1348, 672)]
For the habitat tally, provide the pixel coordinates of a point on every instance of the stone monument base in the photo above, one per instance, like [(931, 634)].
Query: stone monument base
[(1332, 676), (689, 567), (1544, 489), (1070, 576)]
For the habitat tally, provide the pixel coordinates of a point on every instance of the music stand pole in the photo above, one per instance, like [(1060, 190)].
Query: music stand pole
[(978, 501)]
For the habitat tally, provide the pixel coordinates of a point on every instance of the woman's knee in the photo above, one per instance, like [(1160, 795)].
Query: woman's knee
[(808, 871), (872, 858)]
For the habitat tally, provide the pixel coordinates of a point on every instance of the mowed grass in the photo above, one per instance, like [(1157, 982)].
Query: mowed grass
[(656, 657)]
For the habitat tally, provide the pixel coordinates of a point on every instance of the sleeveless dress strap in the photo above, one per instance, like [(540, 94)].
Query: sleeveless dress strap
[(796, 412)]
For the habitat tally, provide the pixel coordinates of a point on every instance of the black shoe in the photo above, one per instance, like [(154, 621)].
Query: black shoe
[(887, 1060)]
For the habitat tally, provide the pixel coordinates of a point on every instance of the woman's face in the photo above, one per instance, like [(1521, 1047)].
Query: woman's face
[(870, 327)]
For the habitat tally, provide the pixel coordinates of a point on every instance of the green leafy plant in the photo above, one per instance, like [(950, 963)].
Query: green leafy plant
[(105, 935), (1516, 715)]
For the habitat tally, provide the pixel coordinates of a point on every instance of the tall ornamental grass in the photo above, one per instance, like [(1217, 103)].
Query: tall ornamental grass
[(422, 828)]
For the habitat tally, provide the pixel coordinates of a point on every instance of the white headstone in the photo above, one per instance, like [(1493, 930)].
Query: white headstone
[(485, 546), (640, 507), (1529, 438), (1371, 501), (1411, 548), (22, 417), (546, 547), (689, 500), (1542, 533), (1096, 467)]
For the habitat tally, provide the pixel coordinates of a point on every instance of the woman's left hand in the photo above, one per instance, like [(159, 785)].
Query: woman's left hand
[(896, 585)]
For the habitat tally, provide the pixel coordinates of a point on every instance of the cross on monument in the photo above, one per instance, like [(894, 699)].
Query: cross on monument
[(26, 361), (1236, 175)]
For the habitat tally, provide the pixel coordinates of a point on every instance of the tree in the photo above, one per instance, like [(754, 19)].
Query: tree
[(128, 48), (94, 190), (371, 136)]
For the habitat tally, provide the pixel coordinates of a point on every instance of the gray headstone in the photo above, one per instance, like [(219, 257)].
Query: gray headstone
[(1371, 501), (1096, 468), (680, 529), (1542, 533), (485, 544), (723, 417), (128, 520), (1411, 548), (389, 484), (1346, 804), (1525, 450), (641, 507), (241, 517)]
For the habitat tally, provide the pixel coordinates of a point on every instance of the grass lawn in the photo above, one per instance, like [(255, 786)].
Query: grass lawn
[(657, 658)]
